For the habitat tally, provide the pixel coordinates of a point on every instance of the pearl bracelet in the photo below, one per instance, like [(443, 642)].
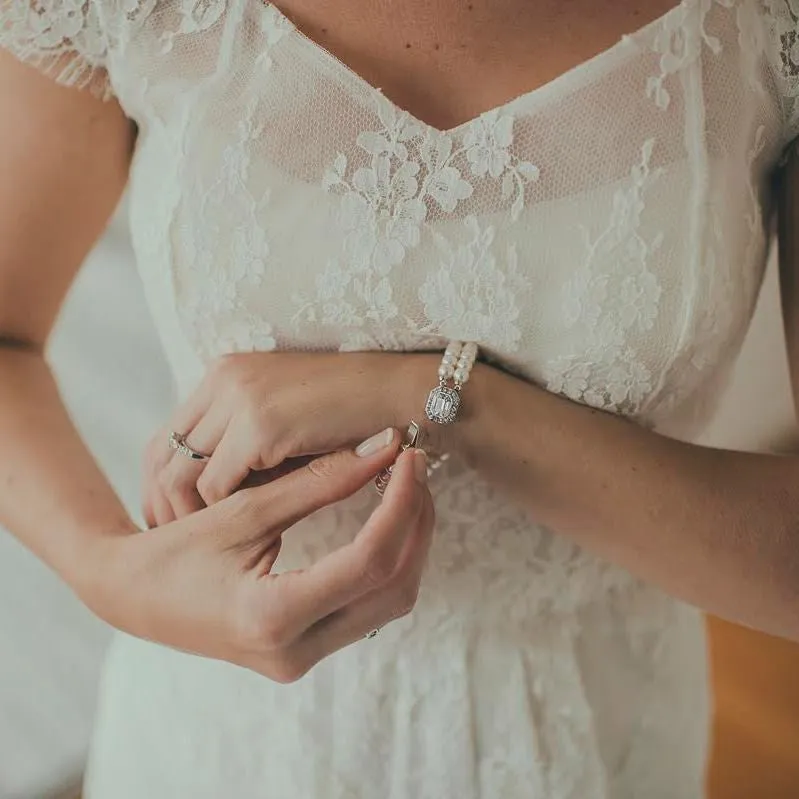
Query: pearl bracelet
[(444, 400), (442, 404)]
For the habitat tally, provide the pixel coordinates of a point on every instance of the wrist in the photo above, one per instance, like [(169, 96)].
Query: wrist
[(411, 386), (89, 559), (472, 420), (416, 380)]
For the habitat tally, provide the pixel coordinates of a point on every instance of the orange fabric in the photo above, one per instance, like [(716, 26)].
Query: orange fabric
[(756, 748)]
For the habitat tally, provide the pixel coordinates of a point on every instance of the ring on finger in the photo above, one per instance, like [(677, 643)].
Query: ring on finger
[(372, 634), (177, 442)]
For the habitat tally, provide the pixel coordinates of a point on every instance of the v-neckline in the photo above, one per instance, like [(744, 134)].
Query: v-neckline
[(600, 62)]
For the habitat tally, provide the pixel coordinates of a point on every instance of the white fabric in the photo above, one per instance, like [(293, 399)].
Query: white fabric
[(602, 235)]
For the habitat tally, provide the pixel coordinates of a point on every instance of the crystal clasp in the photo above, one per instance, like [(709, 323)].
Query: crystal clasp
[(442, 405)]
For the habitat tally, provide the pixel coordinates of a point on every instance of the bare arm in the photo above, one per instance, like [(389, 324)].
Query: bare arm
[(201, 584), (64, 159), (718, 529)]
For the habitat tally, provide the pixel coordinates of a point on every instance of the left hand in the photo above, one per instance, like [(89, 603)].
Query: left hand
[(259, 415)]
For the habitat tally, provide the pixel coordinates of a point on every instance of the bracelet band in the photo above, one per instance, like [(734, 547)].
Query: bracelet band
[(442, 405), (413, 438), (444, 400)]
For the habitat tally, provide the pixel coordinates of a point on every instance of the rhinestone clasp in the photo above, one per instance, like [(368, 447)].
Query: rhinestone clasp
[(442, 405)]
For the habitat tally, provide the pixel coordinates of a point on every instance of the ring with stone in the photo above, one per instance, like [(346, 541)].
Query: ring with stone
[(177, 442)]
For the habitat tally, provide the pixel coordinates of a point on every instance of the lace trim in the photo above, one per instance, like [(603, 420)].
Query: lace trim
[(782, 19), (679, 44), (62, 38)]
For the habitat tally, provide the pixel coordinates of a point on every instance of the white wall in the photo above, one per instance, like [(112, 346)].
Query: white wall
[(757, 412)]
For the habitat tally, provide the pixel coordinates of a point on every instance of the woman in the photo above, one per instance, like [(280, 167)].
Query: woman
[(323, 179)]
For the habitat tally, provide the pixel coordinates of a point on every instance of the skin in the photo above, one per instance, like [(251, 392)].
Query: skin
[(203, 583), (713, 527), (447, 61)]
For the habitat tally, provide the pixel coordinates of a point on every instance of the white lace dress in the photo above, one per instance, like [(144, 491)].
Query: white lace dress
[(603, 236)]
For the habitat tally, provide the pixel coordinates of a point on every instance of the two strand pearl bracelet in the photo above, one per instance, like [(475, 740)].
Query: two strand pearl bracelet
[(444, 400)]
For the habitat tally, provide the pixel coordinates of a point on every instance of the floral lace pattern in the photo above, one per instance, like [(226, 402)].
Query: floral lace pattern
[(603, 236), (610, 361), (783, 19), (413, 173), (64, 37)]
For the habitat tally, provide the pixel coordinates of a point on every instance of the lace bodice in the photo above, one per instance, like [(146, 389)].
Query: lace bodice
[(603, 235), (603, 265)]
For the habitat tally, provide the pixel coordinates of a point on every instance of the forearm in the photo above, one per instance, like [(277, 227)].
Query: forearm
[(54, 497), (718, 529)]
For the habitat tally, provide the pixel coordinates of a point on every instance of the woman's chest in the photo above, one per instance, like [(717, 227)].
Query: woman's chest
[(447, 61), (602, 235)]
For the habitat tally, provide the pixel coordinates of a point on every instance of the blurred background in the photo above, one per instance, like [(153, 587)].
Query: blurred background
[(51, 649)]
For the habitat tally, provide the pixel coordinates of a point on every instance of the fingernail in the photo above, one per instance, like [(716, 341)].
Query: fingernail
[(375, 443), (420, 466)]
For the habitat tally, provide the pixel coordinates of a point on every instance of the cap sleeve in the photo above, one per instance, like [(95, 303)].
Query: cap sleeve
[(782, 20), (62, 38)]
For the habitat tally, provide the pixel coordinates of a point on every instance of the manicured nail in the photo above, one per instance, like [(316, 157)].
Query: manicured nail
[(420, 466), (374, 444)]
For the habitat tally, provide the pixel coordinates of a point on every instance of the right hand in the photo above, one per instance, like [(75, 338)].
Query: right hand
[(203, 583)]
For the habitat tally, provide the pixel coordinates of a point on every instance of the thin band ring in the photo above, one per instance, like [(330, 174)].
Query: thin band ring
[(372, 634), (177, 442), (413, 438)]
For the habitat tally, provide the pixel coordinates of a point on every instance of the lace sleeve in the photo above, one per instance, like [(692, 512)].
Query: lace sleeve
[(782, 20), (62, 38)]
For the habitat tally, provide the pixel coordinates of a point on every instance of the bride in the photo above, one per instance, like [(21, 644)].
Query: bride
[(528, 236)]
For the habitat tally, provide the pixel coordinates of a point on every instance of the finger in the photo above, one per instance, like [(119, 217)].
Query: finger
[(147, 479), (374, 610), (178, 483), (180, 476), (189, 413), (156, 456), (162, 509), (148, 511), (249, 520), (325, 480), (186, 501), (156, 507), (265, 476), (297, 600), (230, 463)]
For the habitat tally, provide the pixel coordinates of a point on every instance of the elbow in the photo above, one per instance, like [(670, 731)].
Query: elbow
[(9, 343)]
